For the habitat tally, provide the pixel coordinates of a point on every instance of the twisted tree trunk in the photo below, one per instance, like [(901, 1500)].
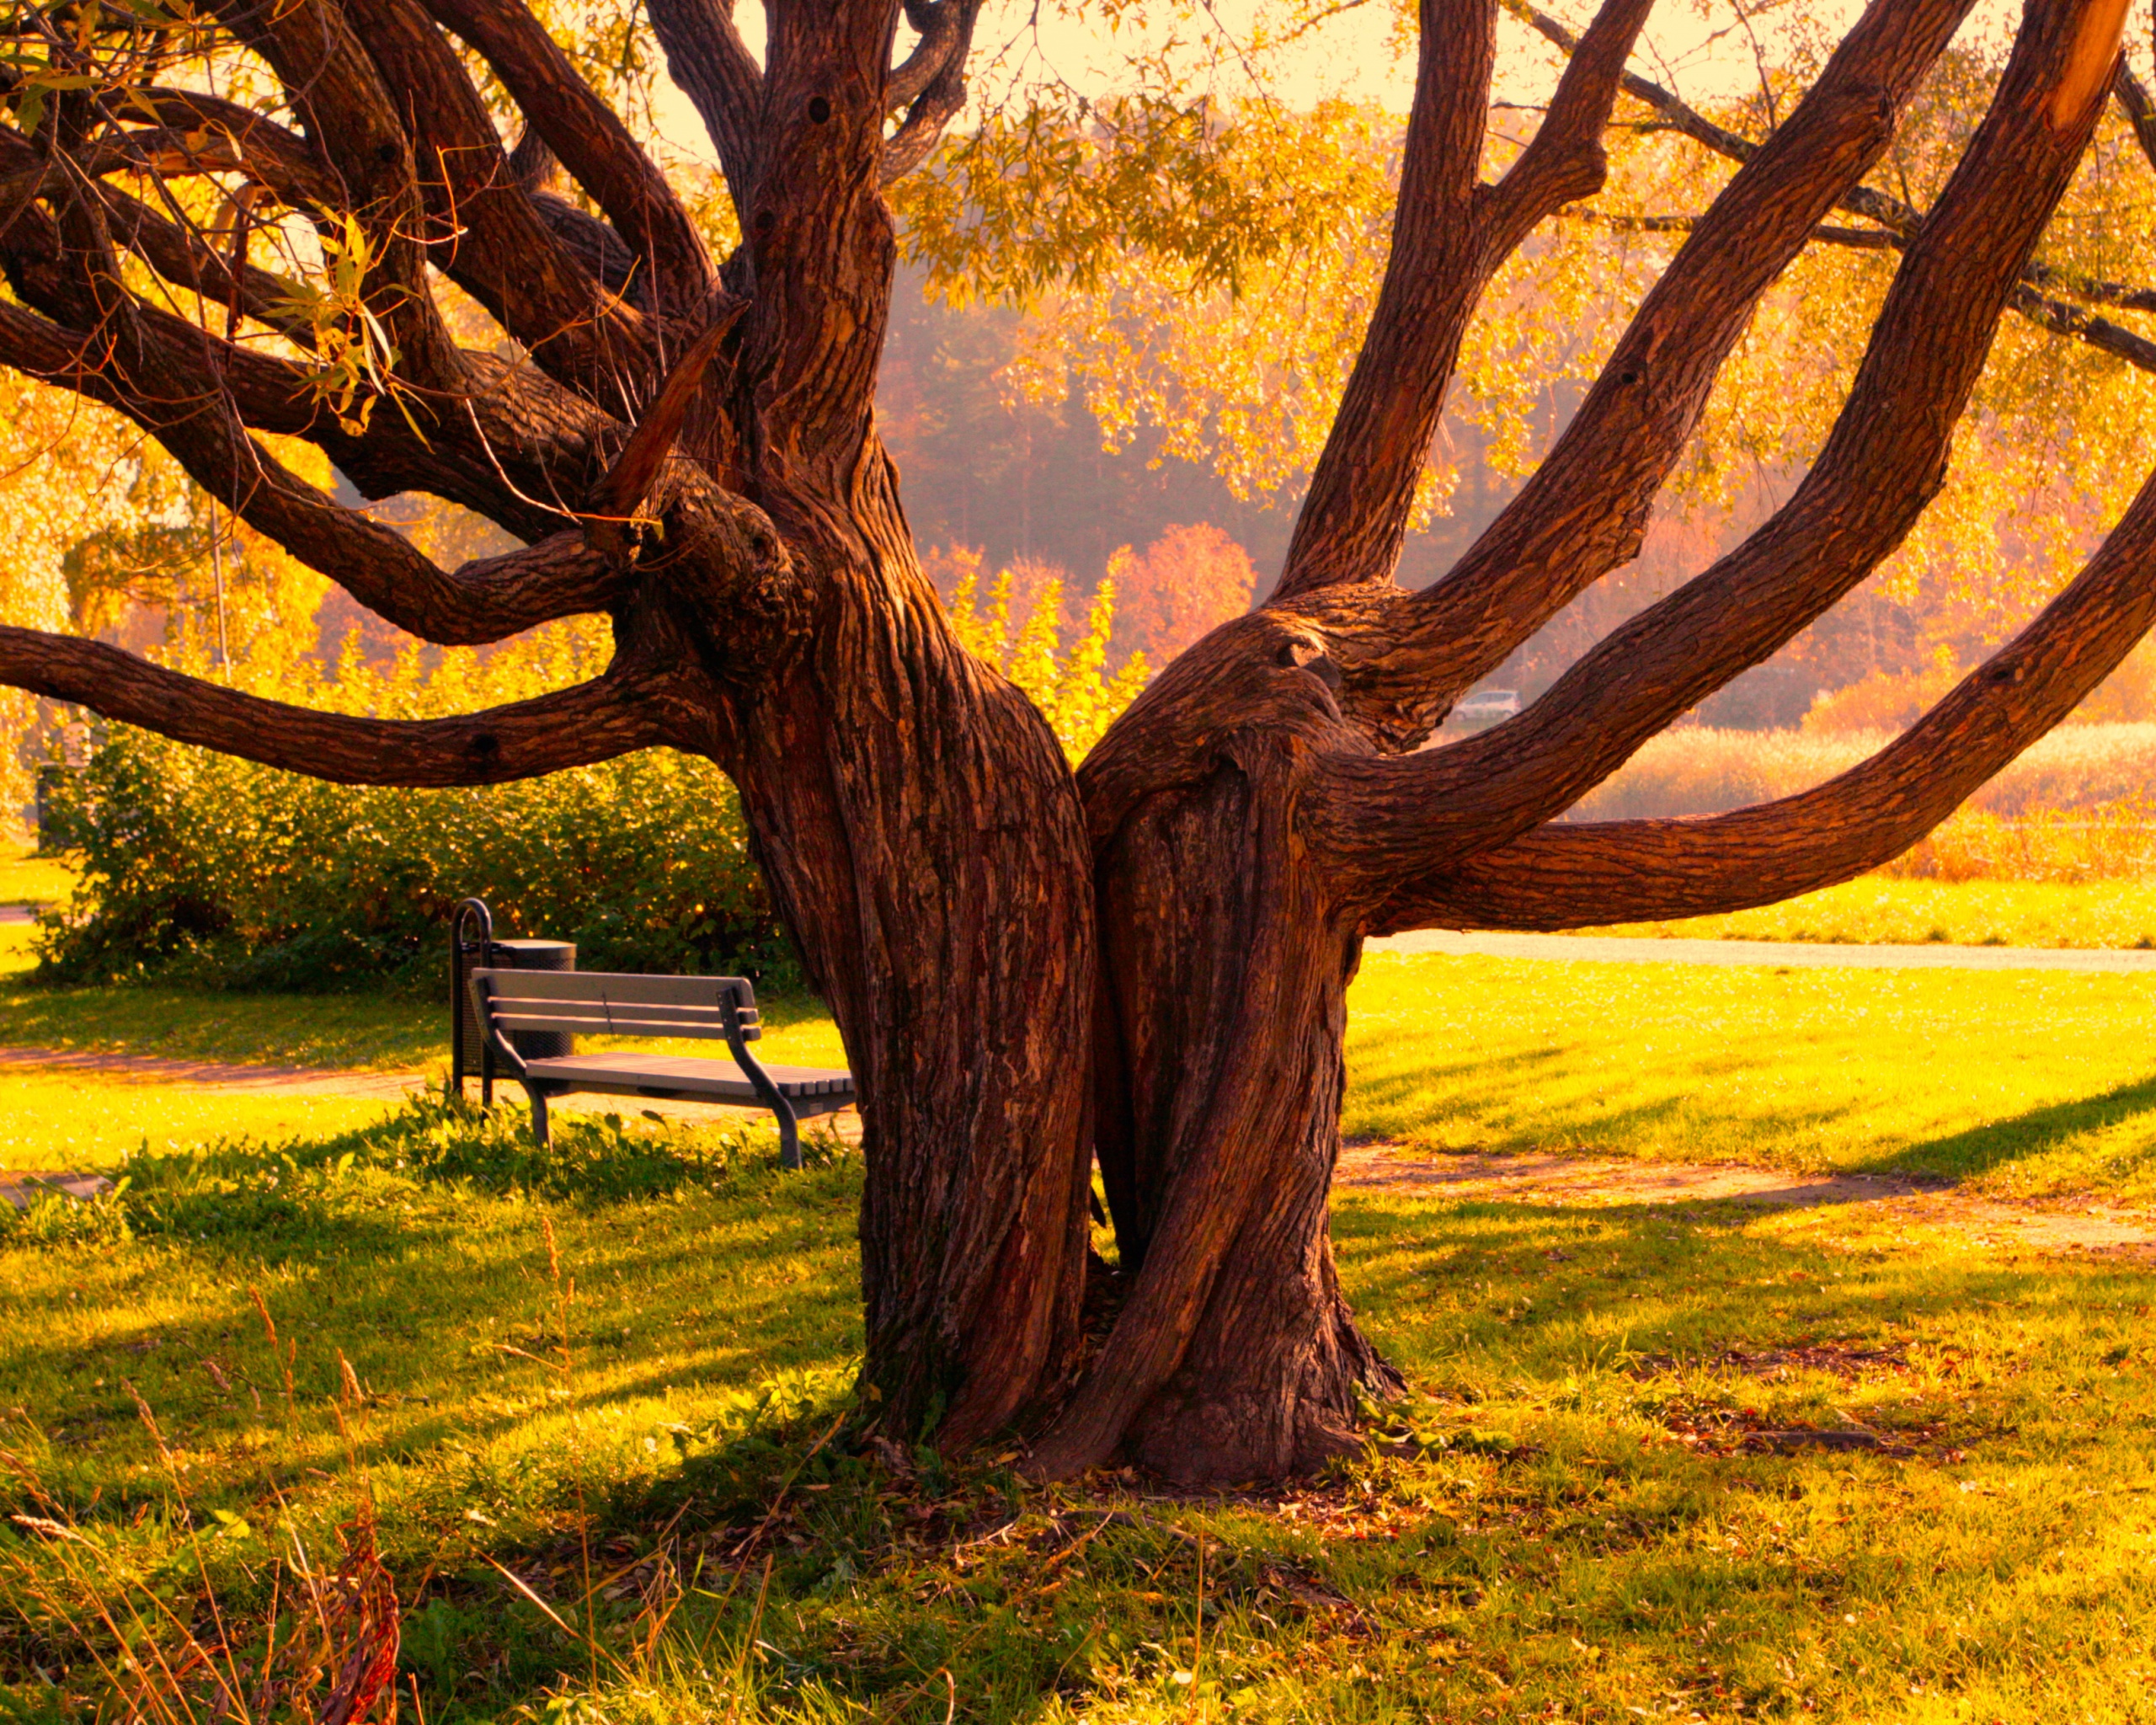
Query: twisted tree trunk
[(1147, 962)]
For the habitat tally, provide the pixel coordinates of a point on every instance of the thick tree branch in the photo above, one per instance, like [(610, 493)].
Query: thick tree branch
[(574, 727), (1349, 526), (275, 155), (2140, 109), (707, 60), (352, 124), (941, 97), (818, 253), (589, 140), (945, 30), (1577, 876), (487, 600), (516, 447), (482, 231), (1883, 462), (1582, 512)]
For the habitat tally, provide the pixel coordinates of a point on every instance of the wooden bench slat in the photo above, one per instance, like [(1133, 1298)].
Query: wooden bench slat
[(535, 1018), (688, 1074), (622, 985)]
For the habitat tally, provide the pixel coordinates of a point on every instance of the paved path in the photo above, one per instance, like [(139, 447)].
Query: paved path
[(1792, 954)]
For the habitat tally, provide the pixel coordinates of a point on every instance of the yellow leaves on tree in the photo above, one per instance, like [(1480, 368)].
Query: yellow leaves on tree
[(1018, 624)]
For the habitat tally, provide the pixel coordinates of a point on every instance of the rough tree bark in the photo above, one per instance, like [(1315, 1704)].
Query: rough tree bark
[(1146, 963)]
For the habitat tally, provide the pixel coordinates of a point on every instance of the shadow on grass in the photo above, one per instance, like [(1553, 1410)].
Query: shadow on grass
[(1996, 1144)]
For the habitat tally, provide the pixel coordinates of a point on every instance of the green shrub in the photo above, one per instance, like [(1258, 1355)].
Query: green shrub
[(200, 867)]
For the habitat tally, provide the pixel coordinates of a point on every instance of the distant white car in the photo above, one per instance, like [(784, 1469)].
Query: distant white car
[(1486, 706)]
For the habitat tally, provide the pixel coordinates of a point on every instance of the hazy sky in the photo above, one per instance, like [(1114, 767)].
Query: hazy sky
[(1699, 46)]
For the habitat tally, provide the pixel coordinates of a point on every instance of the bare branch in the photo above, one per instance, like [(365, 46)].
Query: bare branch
[(589, 140), (707, 59), (2140, 109), (1565, 160), (574, 727), (1582, 512), (2098, 332), (617, 500), (1897, 218), (1349, 528), (1577, 876), (1882, 464)]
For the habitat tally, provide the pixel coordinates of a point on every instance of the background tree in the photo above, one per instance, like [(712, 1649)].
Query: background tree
[(1146, 963)]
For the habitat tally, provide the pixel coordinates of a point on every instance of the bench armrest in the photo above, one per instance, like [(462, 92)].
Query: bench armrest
[(483, 1008)]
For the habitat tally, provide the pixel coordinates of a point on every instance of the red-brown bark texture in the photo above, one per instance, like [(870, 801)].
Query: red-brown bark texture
[(1143, 965)]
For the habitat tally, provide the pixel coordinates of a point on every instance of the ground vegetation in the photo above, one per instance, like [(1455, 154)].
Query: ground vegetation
[(1143, 965)]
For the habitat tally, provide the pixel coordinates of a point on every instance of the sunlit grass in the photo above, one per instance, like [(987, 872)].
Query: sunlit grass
[(1876, 910), (2030, 1081), (1545, 1544), (26, 879)]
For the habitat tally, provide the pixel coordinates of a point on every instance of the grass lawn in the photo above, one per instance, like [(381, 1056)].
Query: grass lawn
[(1575, 1523), (26, 879), (2028, 1081), (1580, 1518)]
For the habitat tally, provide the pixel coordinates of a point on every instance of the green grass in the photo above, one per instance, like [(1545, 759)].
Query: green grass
[(27, 879), (1570, 1528), (2026, 1081), (1876, 910)]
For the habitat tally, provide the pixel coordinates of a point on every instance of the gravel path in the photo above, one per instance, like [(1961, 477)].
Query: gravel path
[(1793, 954)]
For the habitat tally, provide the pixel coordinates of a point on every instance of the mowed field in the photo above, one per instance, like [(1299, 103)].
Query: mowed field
[(599, 1402)]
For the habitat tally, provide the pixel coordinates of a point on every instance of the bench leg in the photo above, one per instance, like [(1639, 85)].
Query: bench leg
[(541, 1127), (789, 1135)]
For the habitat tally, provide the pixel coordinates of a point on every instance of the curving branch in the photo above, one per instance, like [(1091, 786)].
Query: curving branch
[(352, 130), (1449, 235), (947, 28), (712, 66), (487, 600), (1883, 463), (573, 727), (1578, 876), (482, 229), (1584, 510), (2140, 109), (588, 139)]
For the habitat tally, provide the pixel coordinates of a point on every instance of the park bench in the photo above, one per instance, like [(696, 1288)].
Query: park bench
[(566, 1003)]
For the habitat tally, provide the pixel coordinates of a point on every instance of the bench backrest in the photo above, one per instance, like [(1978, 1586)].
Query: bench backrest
[(606, 1003)]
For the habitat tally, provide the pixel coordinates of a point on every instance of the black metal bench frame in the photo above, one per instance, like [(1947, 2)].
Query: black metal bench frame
[(604, 1003)]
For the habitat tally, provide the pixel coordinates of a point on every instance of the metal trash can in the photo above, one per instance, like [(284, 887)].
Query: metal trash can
[(472, 947)]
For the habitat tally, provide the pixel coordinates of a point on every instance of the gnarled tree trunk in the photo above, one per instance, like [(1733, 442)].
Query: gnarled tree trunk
[(1147, 962)]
